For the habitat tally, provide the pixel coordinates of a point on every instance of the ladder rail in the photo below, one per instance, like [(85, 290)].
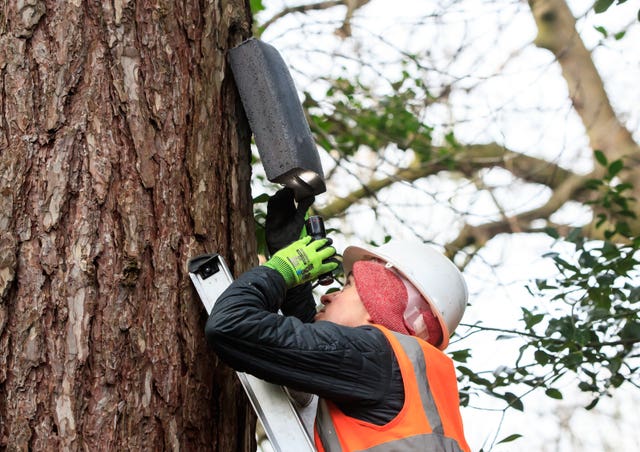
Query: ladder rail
[(286, 425)]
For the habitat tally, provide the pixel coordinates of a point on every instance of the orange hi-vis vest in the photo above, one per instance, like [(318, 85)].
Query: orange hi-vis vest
[(429, 421)]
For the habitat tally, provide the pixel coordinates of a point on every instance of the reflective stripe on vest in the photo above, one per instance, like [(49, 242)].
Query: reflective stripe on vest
[(414, 352), (427, 435), (325, 429), (423, 443)]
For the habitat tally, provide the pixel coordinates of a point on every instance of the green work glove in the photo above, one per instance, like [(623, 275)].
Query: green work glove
[(304, 260)]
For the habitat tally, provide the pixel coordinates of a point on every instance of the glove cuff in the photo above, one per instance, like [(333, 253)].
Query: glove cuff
[(281, 266)]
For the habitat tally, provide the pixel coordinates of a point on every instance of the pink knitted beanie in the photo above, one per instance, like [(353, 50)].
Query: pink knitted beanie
[(384, 295)]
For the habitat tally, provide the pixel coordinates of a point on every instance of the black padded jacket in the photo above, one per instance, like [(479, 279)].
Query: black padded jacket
[(353, 367)]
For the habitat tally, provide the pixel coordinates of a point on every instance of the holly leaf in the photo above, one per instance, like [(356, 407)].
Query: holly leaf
[(510, 438)]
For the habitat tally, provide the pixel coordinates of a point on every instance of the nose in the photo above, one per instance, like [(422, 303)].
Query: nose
[(327, 298)]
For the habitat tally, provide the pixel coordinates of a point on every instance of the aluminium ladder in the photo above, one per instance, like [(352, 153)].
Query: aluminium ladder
[(288, 425)]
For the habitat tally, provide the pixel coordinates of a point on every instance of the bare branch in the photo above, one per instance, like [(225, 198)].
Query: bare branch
[(302, 9), (344, 31), (352, 5), (468, 161), (478, 236)]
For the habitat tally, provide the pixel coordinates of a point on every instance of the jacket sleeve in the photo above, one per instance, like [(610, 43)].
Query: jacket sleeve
[(338, 363), (299, 302)]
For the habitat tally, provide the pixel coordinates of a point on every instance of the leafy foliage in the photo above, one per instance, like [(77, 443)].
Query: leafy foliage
[(601, 6), (256, 6), (359, 116), (590, 329), (260, 215), (510, 438)]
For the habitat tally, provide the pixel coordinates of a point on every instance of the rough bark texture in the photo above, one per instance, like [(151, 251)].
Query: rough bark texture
[(123, 152)]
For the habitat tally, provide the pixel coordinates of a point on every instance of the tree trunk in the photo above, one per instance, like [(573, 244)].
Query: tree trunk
[(123, 153)]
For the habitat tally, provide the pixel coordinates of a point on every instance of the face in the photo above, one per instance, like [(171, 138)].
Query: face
[(344, 307)]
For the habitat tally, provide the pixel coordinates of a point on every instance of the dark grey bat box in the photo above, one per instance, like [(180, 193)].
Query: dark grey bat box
[(285, 144)]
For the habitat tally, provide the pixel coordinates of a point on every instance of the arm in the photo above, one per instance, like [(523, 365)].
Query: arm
[(338, 363), (285, 224), (299, 302)]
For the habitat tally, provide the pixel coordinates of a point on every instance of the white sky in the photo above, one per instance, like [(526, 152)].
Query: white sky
[(526, 108)]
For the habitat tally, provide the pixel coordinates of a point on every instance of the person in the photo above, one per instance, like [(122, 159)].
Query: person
[(373, 353)]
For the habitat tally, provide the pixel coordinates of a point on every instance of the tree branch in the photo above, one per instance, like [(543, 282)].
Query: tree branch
[(352, 5), (468, 161), (478, 236), (302, 9), (557, 33), (344, 31)]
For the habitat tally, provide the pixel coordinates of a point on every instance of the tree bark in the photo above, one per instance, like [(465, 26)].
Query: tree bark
[(123, 152)]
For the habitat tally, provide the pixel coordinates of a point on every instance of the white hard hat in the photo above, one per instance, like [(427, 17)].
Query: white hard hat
[(436, 278)]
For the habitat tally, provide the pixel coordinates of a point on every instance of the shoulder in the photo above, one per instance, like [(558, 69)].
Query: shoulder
[(360, 339)]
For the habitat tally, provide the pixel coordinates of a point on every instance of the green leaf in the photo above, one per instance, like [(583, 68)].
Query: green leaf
[(586, 259), (552, 232), (553, 393), (631, 331), (615, 168), (592, 405), (623, 229), (531, 319), (614, 365), (261, 240), (609, 250), (514, 401), (618, 36), (623, 187), (261, 198), (593, 184), (256, 6), (601, 219), (602, 5), (601, 158), (573, 360), (541, 357), (602, 30), (617, 380), (461, 355), (582, 337), (510, 438), (586, 387), (563, 264), (542, 284)]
